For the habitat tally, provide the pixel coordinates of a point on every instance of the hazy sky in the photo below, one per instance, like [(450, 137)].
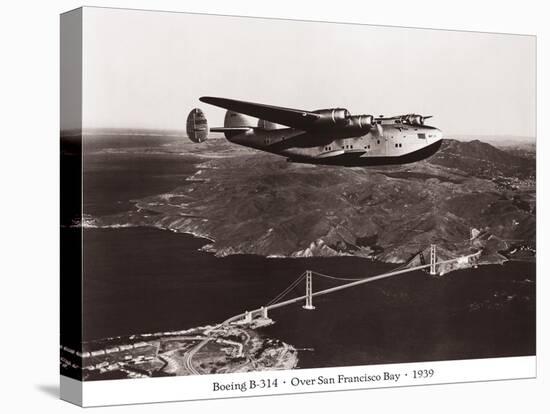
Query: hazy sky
[(148, 69)]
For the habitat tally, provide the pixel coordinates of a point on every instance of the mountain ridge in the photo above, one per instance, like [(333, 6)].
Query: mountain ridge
[(257, 203)]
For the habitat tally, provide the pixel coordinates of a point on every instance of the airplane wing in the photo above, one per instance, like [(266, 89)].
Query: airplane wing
[(295, 118)]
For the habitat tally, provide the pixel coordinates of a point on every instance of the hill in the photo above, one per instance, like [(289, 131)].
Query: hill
[(257, 203), (482, 160)]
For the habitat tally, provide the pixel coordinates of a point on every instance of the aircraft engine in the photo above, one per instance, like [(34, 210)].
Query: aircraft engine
[(362, 122), (333, 117), (413, 119)]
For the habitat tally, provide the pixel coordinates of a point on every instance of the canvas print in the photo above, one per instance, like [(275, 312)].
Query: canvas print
[(262, 195)]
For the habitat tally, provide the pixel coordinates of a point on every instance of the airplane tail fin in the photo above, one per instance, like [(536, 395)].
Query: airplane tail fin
[(197, 126), (234, 124)]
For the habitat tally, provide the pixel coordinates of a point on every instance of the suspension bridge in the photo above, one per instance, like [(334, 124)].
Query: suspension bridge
[(248, 317)]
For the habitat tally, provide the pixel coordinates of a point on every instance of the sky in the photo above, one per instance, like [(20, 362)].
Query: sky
[(145, 69)]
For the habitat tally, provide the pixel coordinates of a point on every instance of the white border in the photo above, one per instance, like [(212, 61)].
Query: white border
[(199, 387)]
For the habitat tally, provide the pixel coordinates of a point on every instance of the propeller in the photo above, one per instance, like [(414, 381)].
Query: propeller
[(415, 119)]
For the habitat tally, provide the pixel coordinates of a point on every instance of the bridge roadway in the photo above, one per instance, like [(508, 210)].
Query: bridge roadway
[(188, 362), (336, 288)]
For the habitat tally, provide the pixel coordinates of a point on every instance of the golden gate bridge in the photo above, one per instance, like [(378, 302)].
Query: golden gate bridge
[(248, 317)]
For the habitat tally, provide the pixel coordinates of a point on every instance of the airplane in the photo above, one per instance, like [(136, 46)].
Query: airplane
[(324, 136)]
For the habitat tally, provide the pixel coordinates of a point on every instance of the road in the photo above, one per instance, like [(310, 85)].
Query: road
[(188, 360)]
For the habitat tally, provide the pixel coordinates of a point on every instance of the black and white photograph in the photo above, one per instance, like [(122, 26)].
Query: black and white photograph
[(263, 194), (271, 207)]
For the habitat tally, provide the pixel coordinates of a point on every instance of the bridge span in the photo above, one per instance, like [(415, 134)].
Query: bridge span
[(262, 312)]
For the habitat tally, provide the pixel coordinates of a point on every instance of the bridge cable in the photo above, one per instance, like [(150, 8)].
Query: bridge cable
[(288, 289), (360, 278), (285, 292), (337, 278)]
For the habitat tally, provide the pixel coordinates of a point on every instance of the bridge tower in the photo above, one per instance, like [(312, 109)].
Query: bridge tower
[(309, 292), (433, 260), (263, 312)]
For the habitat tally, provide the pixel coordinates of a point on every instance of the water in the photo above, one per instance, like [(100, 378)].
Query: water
[(150, 280), (113, 180), (475, 313), (139, 280)]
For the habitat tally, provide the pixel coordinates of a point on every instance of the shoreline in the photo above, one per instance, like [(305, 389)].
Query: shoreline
[(206, 248), (230, 348)]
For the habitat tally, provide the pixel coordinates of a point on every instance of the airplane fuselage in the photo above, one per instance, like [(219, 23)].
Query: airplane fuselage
[(388, 144)]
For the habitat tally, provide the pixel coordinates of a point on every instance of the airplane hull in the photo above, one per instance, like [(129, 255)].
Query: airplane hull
[(351, 159)]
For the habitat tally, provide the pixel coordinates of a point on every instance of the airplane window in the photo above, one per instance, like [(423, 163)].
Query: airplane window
[(378, 141), (422, 136)]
